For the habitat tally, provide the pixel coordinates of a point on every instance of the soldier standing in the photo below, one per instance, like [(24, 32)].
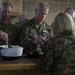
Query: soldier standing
[(36, 32), (8, 33)]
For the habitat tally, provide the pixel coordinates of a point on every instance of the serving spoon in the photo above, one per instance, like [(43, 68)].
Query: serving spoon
[(8, 45)]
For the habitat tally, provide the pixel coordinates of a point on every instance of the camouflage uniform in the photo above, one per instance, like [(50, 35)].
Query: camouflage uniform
[(30, 30), (11, 31), (59, 56), (19, 24)]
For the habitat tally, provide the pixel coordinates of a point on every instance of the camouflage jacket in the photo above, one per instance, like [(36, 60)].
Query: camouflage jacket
[(19, 24), (11, 31), (30, 30), (59, 56)]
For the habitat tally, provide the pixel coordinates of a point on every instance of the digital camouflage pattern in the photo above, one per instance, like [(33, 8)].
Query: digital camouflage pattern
[(11, 31), (30, 30), (59, 56)]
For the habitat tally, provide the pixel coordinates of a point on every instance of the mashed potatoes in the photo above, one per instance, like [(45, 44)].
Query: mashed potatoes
[(6, 46)]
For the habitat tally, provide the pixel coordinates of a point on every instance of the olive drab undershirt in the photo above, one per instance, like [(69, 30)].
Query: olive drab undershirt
[(11, 31)]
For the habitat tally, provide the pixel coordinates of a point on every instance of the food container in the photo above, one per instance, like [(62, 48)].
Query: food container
[(14, 51)]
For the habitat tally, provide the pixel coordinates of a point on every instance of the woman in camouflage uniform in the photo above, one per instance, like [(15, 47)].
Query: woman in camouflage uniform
[(59, 55)]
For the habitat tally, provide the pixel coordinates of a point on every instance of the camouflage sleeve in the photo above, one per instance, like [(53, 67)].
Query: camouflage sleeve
[(51, 34), (46, 60), (26, 40)]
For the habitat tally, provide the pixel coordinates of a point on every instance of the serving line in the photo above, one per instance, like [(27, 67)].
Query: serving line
[(21, 63)]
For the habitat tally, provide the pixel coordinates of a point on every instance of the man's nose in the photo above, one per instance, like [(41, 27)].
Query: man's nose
[(42, 15), (6, 13)]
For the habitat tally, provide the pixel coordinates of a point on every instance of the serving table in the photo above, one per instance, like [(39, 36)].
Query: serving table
[(19, 66)]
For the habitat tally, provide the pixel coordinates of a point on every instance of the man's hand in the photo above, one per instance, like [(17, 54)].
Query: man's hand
[(4, 36), (39, 40)]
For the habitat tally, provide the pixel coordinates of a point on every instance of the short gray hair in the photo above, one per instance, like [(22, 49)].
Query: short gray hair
[(6, 4), (43, 5), (68, 9)]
